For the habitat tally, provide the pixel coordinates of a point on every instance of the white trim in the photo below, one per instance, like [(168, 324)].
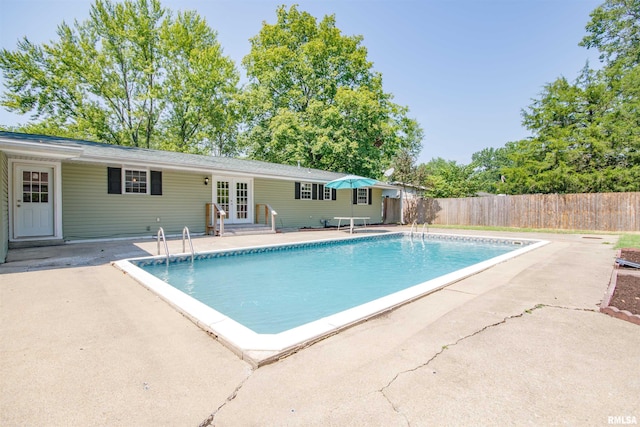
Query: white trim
[(57, 198), (310, 191), (324, 194), (23, 148), (230, 218), (123, 189), (366, 202)]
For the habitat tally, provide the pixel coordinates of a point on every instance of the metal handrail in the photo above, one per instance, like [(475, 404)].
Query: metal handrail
[(415, 223), (267, 209), (164, 240), (423, 225), (185, 232)]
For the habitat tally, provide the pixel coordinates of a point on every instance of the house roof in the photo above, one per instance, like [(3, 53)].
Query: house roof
[(95, 152)]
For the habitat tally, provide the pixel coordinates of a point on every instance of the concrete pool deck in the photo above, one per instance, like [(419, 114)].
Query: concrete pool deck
[(520, 343)]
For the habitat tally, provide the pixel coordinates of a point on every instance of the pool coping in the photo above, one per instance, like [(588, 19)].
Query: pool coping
[(261, 349)]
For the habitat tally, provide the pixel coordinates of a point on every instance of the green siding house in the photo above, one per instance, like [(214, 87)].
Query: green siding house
[(54, 190)]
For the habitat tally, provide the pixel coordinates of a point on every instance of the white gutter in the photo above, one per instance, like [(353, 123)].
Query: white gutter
[(62, 152), (22, 148)]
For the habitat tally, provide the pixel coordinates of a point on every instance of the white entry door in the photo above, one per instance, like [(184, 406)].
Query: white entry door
[(33, 201), (235, 197)]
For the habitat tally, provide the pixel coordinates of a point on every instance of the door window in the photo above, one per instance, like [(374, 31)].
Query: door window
[(223, 195), (35, 187), (242, 200)]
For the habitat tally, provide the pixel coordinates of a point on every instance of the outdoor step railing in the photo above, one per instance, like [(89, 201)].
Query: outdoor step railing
[(214, 213), (268, 213)]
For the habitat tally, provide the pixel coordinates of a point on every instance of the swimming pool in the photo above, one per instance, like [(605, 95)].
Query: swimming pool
[(268, 300)]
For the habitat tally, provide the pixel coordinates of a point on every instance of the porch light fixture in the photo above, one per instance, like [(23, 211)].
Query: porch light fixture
[(206, 180)]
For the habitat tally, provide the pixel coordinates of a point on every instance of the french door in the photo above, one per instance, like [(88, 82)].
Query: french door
[(235, 197)]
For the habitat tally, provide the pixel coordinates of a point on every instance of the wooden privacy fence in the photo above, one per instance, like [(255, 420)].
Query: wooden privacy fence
[(588, 211)]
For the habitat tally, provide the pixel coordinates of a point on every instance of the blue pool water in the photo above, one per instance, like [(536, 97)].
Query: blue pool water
[(273, 290)]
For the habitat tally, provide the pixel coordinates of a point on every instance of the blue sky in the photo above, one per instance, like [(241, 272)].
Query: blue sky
[(465, 68)]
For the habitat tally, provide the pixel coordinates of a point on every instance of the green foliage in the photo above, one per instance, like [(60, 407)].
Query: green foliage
[(586, 133), (614, 29), (488, 165), (445, 178), (131, 74), (586, 138), (313, 99), (404, 169), (200, 88)]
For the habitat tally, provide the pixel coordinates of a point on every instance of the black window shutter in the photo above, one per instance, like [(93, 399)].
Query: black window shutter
[(320, 192), (314, 192), (297, 191), (370, 193), (334, 194), (114, 181), (156, 183), (354, 198)]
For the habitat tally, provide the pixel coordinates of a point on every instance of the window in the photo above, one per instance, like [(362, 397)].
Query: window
[(309, 191), (305, 190), (135, 181), (327, 194), (363, 196)]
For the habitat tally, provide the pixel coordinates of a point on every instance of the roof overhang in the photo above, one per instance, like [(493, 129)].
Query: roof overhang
[(74, 153), (109, 160), (39, 149)]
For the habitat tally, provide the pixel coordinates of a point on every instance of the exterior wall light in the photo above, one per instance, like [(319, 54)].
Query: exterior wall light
[(206, 180)]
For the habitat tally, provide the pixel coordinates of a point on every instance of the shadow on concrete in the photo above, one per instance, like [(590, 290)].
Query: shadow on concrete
[(69, 255)]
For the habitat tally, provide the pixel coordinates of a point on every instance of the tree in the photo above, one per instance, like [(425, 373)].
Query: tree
[(445, 178), (488, 167), (404, 169), (564, 144), (131, 74), (614, 29), (585, 134), (313, 99), (199, 88)]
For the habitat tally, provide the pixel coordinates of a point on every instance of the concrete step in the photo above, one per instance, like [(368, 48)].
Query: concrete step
[(246, 229)]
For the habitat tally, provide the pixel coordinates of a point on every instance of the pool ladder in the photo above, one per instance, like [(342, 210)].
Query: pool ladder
[(415, 224), (185, 232), (185, 236)]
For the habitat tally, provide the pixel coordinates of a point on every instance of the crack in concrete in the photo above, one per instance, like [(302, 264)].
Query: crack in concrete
[(591, 310), (447, 346), (209, 420)]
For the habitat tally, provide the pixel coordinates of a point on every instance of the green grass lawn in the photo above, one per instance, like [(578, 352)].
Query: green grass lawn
[(516, 229), (629, 241)]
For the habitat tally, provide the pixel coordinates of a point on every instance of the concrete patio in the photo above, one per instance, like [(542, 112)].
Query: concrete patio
[(520, 343)]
